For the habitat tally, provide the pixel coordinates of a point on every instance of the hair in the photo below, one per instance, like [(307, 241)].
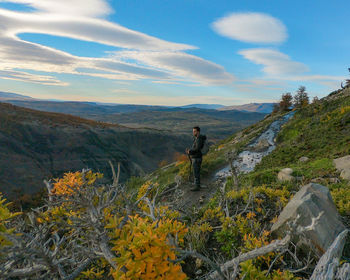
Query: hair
[(197, 128)]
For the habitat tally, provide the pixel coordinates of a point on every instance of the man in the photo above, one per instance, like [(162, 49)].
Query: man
[(196, 156)]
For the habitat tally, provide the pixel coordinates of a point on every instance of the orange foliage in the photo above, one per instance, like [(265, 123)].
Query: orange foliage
[(144, 250), (73, 181), (163, 163), (180, 157)]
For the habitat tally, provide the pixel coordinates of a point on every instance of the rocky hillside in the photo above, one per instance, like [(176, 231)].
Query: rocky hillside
[(241, 207), (38, 145), (274, 206)]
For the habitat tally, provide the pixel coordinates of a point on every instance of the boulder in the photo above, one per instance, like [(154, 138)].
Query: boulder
[(334, 180), (343, 166), (303, 159), (345, 174), (285, 175), (313, 212), (263, 144), (318, 180)]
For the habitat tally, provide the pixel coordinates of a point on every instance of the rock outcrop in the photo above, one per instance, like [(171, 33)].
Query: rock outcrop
[(263, 144), (303, 159), (343, 166), (313, 212), (285, 175)]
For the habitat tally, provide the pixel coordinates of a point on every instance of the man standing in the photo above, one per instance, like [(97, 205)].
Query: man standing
[(195, 154)]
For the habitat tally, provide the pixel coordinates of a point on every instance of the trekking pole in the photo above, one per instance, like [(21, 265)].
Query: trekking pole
[(190, 174)]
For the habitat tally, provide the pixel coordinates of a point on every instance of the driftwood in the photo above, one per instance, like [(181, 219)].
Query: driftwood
[(326, 268), (234, 263)]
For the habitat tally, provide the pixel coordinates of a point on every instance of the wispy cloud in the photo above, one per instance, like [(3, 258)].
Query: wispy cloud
[(125, 91), (184, 66), (251, 28), (274, 62), (32, 78), (94, 8), (162, 60)]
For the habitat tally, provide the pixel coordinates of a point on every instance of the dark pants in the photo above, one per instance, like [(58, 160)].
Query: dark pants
[(196, 164)]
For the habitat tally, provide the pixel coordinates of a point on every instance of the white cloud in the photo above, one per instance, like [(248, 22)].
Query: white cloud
[(125, 91), (275, 63), (152, 57), (32, 78), (184, 66), (71, 7), (82, 28), (251, 28)]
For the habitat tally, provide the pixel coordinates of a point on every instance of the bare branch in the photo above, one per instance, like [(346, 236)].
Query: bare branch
[(273, 246)]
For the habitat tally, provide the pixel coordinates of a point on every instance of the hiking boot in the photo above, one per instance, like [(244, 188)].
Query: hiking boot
[(196, 189)]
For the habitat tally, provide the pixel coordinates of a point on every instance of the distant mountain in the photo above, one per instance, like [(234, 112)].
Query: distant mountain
[(13, 96), (251, 107), (82, 109), (203, 106), (216, 124), (36, 145)]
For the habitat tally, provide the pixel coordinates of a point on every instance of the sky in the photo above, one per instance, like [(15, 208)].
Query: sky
[(162, 52)]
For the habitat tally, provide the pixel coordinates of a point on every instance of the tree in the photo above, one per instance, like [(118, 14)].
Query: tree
[(276, 108), (301, 98), (347, 81), (315, 100), (286, 101)]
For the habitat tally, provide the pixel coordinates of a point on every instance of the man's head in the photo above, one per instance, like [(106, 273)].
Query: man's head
[(196, 130)]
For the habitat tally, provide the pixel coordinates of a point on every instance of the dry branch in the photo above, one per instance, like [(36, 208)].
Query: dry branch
[(276, 245), (327, 265)]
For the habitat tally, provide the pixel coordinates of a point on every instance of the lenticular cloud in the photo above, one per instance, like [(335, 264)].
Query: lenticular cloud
[(251, 28), (91, 8)]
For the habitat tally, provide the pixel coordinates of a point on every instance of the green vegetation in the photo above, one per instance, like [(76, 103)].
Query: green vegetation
[(236, 219)]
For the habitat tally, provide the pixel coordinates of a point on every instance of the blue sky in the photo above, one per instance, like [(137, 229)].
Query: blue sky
[(172, 52)]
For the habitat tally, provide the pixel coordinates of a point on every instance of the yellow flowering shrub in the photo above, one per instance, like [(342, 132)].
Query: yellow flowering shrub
[(143, 248), (5, 216), (73, 181), (250, 271)]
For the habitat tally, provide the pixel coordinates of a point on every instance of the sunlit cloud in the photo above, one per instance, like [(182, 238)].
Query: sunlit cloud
[(163, 61), (32, 78), (251, 28), (180, 64), (94, 8), (274, 62)]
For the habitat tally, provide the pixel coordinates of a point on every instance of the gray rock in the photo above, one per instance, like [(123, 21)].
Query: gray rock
[(285, 175), (343, 166), (334, 180), (345, 174), (303, 159), (263, 144), (312, 201), (317, 180)]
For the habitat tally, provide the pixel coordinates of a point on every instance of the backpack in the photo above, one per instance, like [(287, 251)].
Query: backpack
[(205, 147)]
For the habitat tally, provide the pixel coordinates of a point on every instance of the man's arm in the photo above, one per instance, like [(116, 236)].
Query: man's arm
[(197, 146)]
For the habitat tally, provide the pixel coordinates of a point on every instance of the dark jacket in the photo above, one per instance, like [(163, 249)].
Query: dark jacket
[(198, 142)]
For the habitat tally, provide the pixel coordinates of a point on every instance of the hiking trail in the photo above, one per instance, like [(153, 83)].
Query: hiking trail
[(184, 199)]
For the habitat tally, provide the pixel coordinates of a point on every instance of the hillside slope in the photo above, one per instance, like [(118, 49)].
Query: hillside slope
[(154, 227), (251, 107), (37, 145), (235, 215), (217, 124)]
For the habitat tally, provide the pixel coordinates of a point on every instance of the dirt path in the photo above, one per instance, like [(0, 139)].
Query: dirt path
[(185, 199)]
